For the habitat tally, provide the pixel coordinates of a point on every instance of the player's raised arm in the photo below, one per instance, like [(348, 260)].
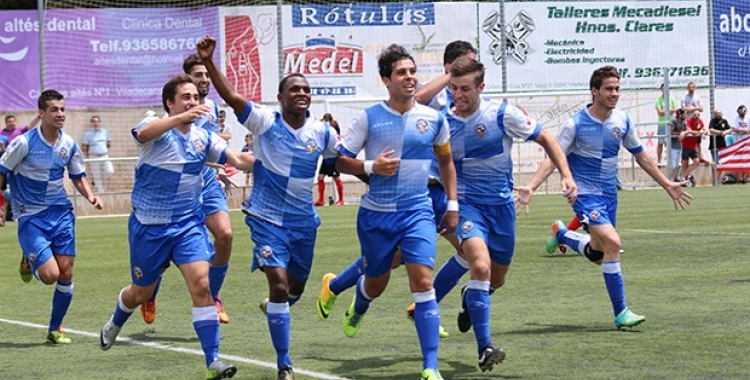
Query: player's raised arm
[(227, 92)]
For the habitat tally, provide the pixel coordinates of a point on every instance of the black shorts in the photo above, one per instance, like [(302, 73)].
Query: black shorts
[(689, 153), (329, 170)]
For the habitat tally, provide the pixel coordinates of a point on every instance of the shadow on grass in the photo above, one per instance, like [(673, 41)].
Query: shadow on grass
[(4, 345), (561, 256), (152, 336), (377, 367), (536, 328), (739, 281)]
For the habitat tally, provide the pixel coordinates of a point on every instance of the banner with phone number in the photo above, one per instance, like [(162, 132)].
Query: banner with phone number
[(556, 45)]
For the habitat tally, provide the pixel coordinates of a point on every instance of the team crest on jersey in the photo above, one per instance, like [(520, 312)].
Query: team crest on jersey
[(467, 226), (32, 257), (138, 272), (616, 131), (422, 125), (594, 214), (311, 145), (63, 153), (481, 129), (198, 145)]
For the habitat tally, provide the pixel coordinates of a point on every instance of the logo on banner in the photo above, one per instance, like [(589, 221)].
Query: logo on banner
[(516, 32), (323, 56), (14, 56)]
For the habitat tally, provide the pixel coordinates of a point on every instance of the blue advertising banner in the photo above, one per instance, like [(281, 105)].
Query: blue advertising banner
[(732, 42)]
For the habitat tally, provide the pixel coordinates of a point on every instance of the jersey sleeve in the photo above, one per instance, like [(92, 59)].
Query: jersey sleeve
[(630, 141), (76, 167), (256, 118), (519, 125), (134, 131), (444, 133), (354, 141), (14, 154), (217, 150), (567, 135)]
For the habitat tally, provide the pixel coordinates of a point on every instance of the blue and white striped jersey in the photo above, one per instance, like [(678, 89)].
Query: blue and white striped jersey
[(210, 123), (412, 136), (34, 169), (168, 181), (441, 102), (286, 165), (592, 148), (481, 145)]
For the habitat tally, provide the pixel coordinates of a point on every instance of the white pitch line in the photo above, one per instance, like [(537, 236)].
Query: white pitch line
[(158, 346), (703, 233)]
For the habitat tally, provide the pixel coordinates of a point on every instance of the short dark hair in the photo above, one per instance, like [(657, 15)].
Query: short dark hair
[(222, 112), (283, 81), (742, 106), (190, 61), (95, 117), (465, 66), (169, 90), (602, 73), (48, 95), (457, 49), (10, 117), (391, 55)]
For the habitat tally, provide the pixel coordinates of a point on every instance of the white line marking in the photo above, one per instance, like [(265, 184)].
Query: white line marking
[(682, 233), (158, 346)]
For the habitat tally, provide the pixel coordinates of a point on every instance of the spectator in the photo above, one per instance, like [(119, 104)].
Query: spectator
[(741, 123), (691, 103), (327, 169), (677, 126), (248, 148), (661, 130), (719, 128), (689, 138), (222, 129), (95, 145), (11, 131)]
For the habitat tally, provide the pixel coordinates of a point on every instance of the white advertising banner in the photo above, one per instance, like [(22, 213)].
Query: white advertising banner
[(556, 46)]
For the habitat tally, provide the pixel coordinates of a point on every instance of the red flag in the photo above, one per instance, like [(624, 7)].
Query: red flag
[(736, 157)]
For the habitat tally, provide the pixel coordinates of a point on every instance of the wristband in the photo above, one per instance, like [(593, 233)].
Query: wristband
[(368, 166), (452, 205)]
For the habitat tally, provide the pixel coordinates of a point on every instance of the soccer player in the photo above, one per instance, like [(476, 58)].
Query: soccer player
[(436, 95), (327, 169), (214, 204), (34, 164), (395, 212), (592, 139), (482, 134), (167, 222), (280, 213)]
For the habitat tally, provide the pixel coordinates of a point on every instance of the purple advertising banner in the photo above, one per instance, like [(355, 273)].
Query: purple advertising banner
[(19, 60), (120, 57)]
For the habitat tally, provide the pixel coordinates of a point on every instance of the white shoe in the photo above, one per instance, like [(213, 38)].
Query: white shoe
[(108, 335)]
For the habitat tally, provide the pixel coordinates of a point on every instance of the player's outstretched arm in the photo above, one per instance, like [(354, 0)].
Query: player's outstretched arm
[(84, 188), (675, 189), (157, 127), (240, 160), (557, 156), (206, 47)]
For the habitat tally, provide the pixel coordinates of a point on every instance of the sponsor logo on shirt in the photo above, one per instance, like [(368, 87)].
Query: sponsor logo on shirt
[(616, 131), (422, 125), (481, 129), (311, 145)]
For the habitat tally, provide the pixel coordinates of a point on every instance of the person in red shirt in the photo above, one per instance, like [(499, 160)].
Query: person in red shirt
[(689, 138)]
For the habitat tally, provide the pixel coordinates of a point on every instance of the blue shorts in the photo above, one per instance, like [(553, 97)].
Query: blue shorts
[(439, 202), (152, 247), (47, 233), (596, 209), (495, 224), (281, 247), (381, 232), (213, 197)]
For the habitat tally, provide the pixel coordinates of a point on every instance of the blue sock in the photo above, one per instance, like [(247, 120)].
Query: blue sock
[(615, 285), (363, 300), (216, 276), (427, 322), (347, 278), (293, 298), (122, 312), (156, 288), (574, 240), (478, 301), (448, 276), (206, 324), (279, 324), (60, 303)]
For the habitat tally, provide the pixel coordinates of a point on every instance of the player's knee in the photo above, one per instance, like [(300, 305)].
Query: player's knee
[(595, 256), (481, 270)]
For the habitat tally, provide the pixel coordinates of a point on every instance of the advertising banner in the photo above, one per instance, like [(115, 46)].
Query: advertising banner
[(19, 59), (120, 57), (732, 42), (556, 46)]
